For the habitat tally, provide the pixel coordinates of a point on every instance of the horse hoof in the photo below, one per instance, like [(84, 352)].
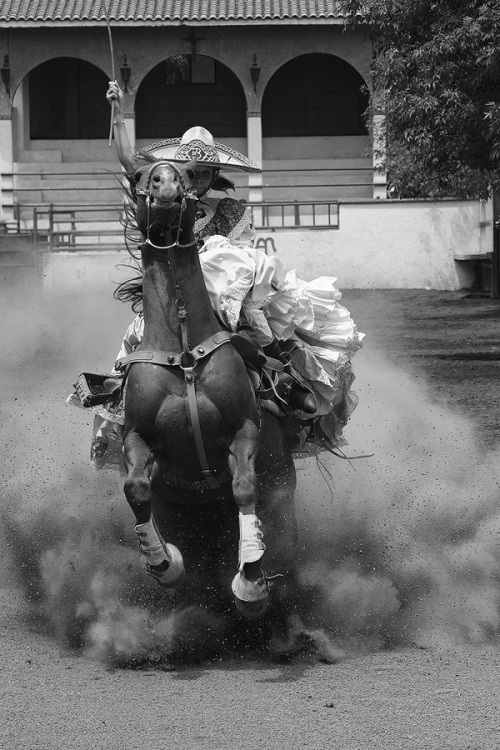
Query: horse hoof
[(168, 573), (250, 597)]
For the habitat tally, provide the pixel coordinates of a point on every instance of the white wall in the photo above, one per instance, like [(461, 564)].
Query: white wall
[(392, 245), (379, 245)]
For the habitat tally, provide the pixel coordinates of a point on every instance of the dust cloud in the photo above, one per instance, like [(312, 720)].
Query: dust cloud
[(400, 548)]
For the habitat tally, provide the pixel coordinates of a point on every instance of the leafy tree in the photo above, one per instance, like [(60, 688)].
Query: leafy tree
[(438, 64)]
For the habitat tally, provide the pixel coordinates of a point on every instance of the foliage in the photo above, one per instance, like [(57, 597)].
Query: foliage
[(438, 64)]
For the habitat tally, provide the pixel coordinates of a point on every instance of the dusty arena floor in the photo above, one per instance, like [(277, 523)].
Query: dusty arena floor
[(406, 621)]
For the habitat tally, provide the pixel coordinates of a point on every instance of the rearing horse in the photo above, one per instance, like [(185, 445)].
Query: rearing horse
[(194, 434)]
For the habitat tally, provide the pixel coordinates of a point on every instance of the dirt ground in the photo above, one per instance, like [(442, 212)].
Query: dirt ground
[(431, 361), (453, 338)]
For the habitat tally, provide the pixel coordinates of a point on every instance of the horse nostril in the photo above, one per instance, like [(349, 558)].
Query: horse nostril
[(157, 179)]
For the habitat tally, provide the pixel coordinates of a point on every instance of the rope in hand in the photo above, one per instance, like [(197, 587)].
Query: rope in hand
[(112, 53)]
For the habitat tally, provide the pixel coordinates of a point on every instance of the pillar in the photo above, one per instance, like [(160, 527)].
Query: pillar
[(254, 140), (379, 155), (6, 166)]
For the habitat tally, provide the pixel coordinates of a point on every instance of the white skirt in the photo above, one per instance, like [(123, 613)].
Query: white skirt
[(245, 284)]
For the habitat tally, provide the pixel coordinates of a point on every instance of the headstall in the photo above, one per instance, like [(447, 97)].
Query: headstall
[(147, 193)]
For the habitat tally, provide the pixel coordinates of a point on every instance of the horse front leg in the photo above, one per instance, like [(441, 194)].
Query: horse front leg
[(249, 585), (161, 560)]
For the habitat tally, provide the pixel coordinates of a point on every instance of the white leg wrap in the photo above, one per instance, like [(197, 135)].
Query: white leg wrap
[(151, 545), (252, 546), (155, 552)]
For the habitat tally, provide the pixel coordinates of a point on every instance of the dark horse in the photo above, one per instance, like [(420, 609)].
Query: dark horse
[(199, 452)]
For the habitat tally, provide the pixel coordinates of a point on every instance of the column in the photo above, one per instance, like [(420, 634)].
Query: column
[(254, 136), (129, 118), (379, 155), (6, 166)]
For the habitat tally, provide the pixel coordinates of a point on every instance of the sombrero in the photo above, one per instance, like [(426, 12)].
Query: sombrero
[(198, 144)]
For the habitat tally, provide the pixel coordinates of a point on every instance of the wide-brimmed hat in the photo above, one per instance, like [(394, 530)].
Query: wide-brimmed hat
[(198, 144)]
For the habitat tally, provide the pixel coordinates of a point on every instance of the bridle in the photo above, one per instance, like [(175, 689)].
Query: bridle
[(146, 192), (187, 358)]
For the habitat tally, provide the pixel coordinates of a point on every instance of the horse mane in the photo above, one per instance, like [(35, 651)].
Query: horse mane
[(130, 290)]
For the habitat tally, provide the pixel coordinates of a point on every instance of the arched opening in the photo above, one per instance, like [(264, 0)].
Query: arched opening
[(315, 141), (187, 90), (66, 101), (314, 95)]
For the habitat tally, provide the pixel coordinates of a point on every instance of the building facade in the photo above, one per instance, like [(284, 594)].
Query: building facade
[(282, 81)]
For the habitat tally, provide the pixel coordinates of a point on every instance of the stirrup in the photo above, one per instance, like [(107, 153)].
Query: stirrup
[(93, 389), (295, 394)]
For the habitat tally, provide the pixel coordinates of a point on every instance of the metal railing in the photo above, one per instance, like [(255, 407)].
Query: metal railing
[(296, 214), (97, 227), (75, 228)]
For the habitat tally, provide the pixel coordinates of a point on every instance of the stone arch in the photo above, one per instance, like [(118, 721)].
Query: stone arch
[(316, 94), (66, 100), (194, 90)]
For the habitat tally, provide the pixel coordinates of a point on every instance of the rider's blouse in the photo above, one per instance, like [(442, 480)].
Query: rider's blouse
[(223, 216)]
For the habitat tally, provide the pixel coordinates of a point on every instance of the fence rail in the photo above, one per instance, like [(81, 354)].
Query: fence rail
[(97, 227)]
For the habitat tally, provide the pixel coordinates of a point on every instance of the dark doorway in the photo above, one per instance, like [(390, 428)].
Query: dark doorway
[(67, 100), (188, 90), (314, 95)]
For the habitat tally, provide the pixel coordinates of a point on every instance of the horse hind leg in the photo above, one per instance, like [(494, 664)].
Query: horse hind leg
[(161, 560)]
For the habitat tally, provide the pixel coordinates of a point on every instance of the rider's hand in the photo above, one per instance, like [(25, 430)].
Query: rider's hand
[(114, 94)]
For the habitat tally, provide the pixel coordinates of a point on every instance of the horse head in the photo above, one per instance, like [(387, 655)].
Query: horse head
[(165, 201)]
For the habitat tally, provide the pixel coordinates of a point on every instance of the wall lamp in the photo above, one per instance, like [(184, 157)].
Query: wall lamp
[(255, 73), (125, 71), (5, 73)]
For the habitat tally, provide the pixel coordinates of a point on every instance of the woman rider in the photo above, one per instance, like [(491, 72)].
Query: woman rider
[(251, 293)]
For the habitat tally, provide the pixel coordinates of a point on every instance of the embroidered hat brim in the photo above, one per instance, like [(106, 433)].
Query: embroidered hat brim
[(217, 155)]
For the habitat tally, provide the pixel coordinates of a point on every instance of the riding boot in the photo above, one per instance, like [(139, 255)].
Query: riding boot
[(295, 394), (245, 343), (288, 387), (273, 349)]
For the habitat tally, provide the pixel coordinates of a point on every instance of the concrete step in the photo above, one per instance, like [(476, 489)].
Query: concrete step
[(66, 167), (78, 196), (317, 193), (38, 157), (317, 164)]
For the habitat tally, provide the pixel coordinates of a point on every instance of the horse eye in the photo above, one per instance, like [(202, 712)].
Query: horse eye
[(190, 174)]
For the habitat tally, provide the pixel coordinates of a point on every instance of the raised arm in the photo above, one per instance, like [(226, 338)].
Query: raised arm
[(123, 147)]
